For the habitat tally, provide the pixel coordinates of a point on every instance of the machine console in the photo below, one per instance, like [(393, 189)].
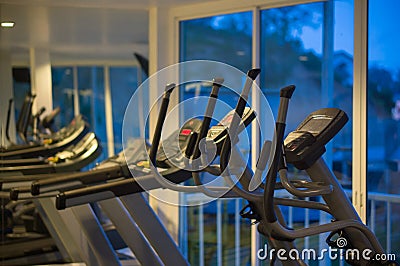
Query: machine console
[(307, 143)]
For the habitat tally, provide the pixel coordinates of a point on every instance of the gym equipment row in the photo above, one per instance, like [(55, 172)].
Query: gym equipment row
[(26, 225), (47, 152), (40, 143), (117, 182)]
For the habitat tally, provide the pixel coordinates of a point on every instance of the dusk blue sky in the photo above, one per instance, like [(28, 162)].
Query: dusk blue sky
[(384, 37), (343, 39)]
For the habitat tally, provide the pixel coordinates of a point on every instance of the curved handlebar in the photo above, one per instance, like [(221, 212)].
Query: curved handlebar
[(269, 187), (314, 189)]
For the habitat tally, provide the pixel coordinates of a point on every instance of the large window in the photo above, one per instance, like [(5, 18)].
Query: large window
[(21, 86), (225, 38), (63, 94), (300, 47), (123, 83), (85, 87), (215, 234), (91, 102), (383, 174)]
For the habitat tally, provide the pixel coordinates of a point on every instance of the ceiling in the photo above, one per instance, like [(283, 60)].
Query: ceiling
[(78, 29)]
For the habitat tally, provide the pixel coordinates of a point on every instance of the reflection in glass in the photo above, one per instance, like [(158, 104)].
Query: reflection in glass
[(91, 102), (21, 86), (63, 94), (123, 84)]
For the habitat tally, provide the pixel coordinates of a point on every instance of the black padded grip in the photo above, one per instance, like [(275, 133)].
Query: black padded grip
[(117, 189), (60, 201), (217, 83), (287, 91), (90, 177), (169, 88), (14, 192), (253, 73)]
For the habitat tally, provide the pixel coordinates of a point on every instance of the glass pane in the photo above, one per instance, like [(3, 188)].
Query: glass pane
[(21, 86), (226, 39), (63, 94), (311, 46), (123, 83), (383, 174), (91, 102)]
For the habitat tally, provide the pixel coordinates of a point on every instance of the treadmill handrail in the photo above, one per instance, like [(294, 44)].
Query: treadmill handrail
[(93, 176)]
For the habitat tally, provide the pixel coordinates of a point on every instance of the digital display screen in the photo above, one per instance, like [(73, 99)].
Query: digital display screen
[(316, 124)]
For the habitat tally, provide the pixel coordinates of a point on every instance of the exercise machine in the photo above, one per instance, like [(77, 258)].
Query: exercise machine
[(72, 158), (303, 148)]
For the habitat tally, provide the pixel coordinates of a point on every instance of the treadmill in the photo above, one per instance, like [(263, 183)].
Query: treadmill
[(116, 210), (51, 144), (26, 243), (143, 179), (73, 158), (135, 205), (110, 170)]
